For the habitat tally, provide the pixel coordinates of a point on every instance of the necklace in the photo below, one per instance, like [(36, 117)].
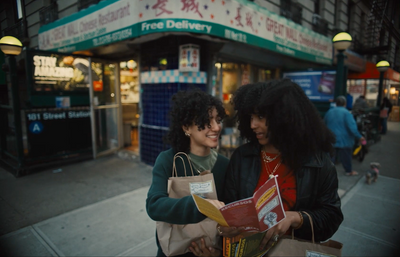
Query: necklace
[(271, 174), (268, 159)]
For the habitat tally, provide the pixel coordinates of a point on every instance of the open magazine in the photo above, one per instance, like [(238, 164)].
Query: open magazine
[(257, 213)]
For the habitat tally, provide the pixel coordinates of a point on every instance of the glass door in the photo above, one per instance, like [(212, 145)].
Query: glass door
[(105, 110)]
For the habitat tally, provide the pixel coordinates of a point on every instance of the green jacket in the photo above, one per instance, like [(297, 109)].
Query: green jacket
[(160, 207), (178, 211)]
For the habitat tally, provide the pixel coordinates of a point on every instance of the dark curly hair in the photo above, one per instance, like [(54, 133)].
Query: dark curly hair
[(187, 108), (295, 127)]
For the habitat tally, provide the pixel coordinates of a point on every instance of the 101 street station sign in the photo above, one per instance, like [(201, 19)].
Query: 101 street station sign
[(238, 20)]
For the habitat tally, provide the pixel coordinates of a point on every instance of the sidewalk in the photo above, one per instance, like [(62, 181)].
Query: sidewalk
[(97, 208)]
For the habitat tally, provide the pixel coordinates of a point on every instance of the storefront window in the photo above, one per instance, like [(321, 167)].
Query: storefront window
[(356, 88), (230, 83), (103, 76), (130, 102), (230, 76), (129, 82), (372, 86), (263, 75)]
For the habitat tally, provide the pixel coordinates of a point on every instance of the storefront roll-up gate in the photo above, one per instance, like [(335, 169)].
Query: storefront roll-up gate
[(104, 106)]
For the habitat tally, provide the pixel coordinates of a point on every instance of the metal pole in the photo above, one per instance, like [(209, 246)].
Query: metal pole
[(339, 75), (378, 101), (17, 111)]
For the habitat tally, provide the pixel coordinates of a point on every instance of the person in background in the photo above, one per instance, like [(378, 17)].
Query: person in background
[(195, 127), (349, 99), (360, 105), (340, 121), (386, 108), (286, 137)]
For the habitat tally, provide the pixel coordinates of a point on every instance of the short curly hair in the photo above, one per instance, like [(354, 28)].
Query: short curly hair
[(187, 108), (295, 127)]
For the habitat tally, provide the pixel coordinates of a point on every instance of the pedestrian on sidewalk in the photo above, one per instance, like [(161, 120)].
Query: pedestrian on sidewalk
[(340, 121), (195, 127), (360, 105), (386, 108), (286, 137)]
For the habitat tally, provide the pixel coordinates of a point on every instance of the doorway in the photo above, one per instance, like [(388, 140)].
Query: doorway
[(130, 98), (104, 106)]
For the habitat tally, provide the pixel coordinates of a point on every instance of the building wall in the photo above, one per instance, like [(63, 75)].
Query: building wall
[(341, 15), (66, 8)]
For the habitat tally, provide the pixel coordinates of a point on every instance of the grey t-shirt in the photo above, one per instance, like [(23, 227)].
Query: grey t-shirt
[(202, 163)]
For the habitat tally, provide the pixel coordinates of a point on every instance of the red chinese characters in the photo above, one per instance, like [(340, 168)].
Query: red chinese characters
[(161, 8), (184, 57), (249, 20), (238, 18), (194, 56), (191, 5)]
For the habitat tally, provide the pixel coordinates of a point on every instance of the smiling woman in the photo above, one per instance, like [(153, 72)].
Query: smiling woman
[(195, 127)]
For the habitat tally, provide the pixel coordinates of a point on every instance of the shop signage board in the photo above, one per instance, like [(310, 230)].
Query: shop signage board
[(189, 58), (52, 132), (111, 21), (318, 85)]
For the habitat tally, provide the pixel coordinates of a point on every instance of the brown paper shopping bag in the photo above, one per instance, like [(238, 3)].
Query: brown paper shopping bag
[(175, 239), (291, 246)]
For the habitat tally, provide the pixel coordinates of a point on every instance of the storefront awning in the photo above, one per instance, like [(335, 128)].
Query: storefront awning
[(112, 21), (371, 72)]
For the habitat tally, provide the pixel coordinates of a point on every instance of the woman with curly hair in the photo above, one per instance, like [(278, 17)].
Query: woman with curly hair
[(286, 137), (195, 127)]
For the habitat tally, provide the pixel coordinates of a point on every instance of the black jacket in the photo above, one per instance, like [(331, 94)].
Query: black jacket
[(317, 186)]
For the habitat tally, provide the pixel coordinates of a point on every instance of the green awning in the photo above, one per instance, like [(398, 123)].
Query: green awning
[(111, 21)]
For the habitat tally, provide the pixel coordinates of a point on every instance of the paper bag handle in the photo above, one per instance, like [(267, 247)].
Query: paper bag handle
[(312, 227), (174, 172)]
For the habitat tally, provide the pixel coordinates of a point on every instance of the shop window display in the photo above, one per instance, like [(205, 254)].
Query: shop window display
[(230, 83), (372, 86), (130, 103), (228, 78), (129, 82)]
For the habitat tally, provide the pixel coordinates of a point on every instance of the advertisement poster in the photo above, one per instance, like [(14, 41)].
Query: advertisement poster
[(58, 72), (189, 58), (318, 85)]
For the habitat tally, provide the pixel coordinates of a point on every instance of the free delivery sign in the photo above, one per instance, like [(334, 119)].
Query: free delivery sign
[(112, 21), (318, 85)]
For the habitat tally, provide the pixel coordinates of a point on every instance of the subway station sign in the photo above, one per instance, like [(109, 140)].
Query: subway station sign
[(52, 132), (238, 20)]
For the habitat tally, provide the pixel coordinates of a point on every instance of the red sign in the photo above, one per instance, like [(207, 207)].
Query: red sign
[(98, 85)]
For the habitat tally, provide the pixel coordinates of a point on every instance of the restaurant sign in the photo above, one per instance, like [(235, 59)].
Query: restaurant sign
[(111, 21)]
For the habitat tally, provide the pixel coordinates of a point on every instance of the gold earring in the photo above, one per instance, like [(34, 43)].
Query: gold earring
[(187, 134)]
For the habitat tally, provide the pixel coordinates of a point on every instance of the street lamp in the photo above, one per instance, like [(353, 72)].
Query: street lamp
[(341, 42), (382, 66), (12, 47)]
